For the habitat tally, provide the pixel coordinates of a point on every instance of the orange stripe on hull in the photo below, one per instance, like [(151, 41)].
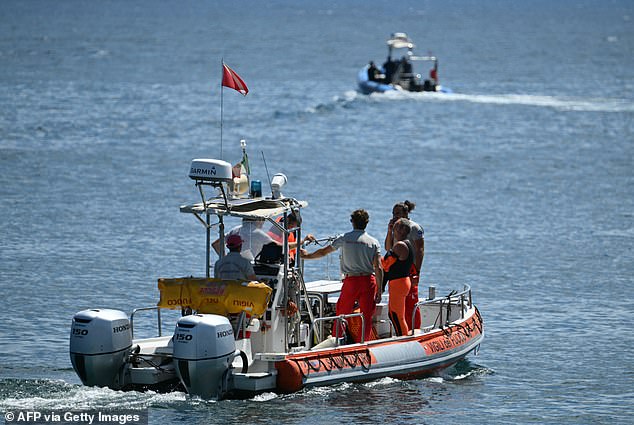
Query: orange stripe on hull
[(453, 337), (295, 369)]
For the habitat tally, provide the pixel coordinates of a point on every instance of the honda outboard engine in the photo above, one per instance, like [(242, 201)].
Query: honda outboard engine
[(204, 348), (100, 340)]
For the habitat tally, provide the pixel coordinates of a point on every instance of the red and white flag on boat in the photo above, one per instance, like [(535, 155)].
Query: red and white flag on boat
[(232, 80)]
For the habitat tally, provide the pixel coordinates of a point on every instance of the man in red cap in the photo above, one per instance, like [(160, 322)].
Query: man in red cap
[(233, 265)]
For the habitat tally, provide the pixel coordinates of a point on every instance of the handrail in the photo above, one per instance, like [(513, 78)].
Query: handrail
[(319, 298), (458, 296), (338, 319), (158, 313)]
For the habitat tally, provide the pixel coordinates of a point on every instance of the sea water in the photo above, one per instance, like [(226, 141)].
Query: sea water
[(523, 180)]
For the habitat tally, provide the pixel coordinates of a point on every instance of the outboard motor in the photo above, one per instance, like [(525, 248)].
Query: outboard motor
[(100, 340), (204, 348)]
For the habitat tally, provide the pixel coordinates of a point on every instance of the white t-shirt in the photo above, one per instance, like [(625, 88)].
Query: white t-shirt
[(253, 238), (416, 232)]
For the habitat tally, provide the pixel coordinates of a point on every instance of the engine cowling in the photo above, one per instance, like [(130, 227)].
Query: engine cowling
[(204, 348), (100, 340)]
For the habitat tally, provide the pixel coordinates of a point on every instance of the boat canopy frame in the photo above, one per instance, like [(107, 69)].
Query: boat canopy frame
[(257, 208), (242, 208)]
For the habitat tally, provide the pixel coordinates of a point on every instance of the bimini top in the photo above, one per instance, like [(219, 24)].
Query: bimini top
[(400, 40), (257, 208)]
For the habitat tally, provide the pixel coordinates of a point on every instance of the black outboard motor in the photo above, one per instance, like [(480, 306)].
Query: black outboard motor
[(204, 348), (100, 340)]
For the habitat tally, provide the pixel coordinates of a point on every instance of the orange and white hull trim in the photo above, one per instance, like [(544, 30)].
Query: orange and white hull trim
[(405, 357)]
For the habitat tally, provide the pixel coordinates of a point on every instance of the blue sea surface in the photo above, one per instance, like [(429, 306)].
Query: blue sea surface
[(523, 180)]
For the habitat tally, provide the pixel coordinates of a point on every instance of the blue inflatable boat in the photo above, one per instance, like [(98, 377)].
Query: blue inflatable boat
[(398, 73)]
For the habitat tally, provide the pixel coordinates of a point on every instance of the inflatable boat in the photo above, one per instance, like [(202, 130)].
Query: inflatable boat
[(235, 339), (397, 73)]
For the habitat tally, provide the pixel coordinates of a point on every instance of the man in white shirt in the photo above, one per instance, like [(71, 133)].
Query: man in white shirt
[(252, 235)]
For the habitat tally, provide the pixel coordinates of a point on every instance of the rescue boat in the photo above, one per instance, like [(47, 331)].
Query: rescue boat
[(234, 339), (397, 73)]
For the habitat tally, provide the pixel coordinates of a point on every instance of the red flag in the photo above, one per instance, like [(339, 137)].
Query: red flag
[(232, 80)]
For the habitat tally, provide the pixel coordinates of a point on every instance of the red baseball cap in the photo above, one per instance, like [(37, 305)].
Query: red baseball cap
[(234, 241)]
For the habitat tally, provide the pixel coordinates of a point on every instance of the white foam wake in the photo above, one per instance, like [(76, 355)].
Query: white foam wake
[(581, 104)]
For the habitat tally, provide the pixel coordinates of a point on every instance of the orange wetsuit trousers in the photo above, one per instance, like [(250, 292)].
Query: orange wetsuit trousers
[(398, 290), (363, 290), (410, 302)]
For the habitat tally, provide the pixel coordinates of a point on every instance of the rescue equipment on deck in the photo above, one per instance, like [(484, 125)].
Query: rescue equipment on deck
[(214, 296)]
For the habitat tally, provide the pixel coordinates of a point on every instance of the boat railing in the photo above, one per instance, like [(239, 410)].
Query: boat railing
[(444, 304), (319, 298), (158, 316), (240, 326), (337, 319)]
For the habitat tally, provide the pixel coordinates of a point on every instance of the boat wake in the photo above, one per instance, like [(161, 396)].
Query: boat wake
[(461, 373), (264, 397), (561, 103), (57, 394), (616, 233), (353, 99), (49, 394)]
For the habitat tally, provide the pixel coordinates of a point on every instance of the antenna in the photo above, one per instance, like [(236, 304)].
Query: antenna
[(268, 176), (221, 101)]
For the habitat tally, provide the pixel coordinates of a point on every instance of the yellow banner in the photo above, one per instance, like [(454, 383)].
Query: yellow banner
[(215, 296)]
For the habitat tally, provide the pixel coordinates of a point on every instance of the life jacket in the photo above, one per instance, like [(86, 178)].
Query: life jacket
[(277, 236), (394, 268)]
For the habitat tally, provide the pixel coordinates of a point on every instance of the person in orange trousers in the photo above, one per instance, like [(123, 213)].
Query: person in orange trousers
[(397, 264), (361, 268), (417, 238)]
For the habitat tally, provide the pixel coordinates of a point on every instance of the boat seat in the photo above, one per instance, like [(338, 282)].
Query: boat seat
[(158, 345), (266, 269), (169, 350)]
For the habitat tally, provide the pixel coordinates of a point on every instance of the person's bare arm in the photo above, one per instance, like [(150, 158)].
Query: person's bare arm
[(378, 272), (389, 236), (419, 249), (401, 250), (321, 252)]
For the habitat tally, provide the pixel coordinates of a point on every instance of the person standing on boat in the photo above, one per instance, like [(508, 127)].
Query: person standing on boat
[(433, 74), (390, 67), (406, 67), (417, 239), (233, 265), (361, 267), (252, 235), (277, 235), (397, 265), (373, 72)]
